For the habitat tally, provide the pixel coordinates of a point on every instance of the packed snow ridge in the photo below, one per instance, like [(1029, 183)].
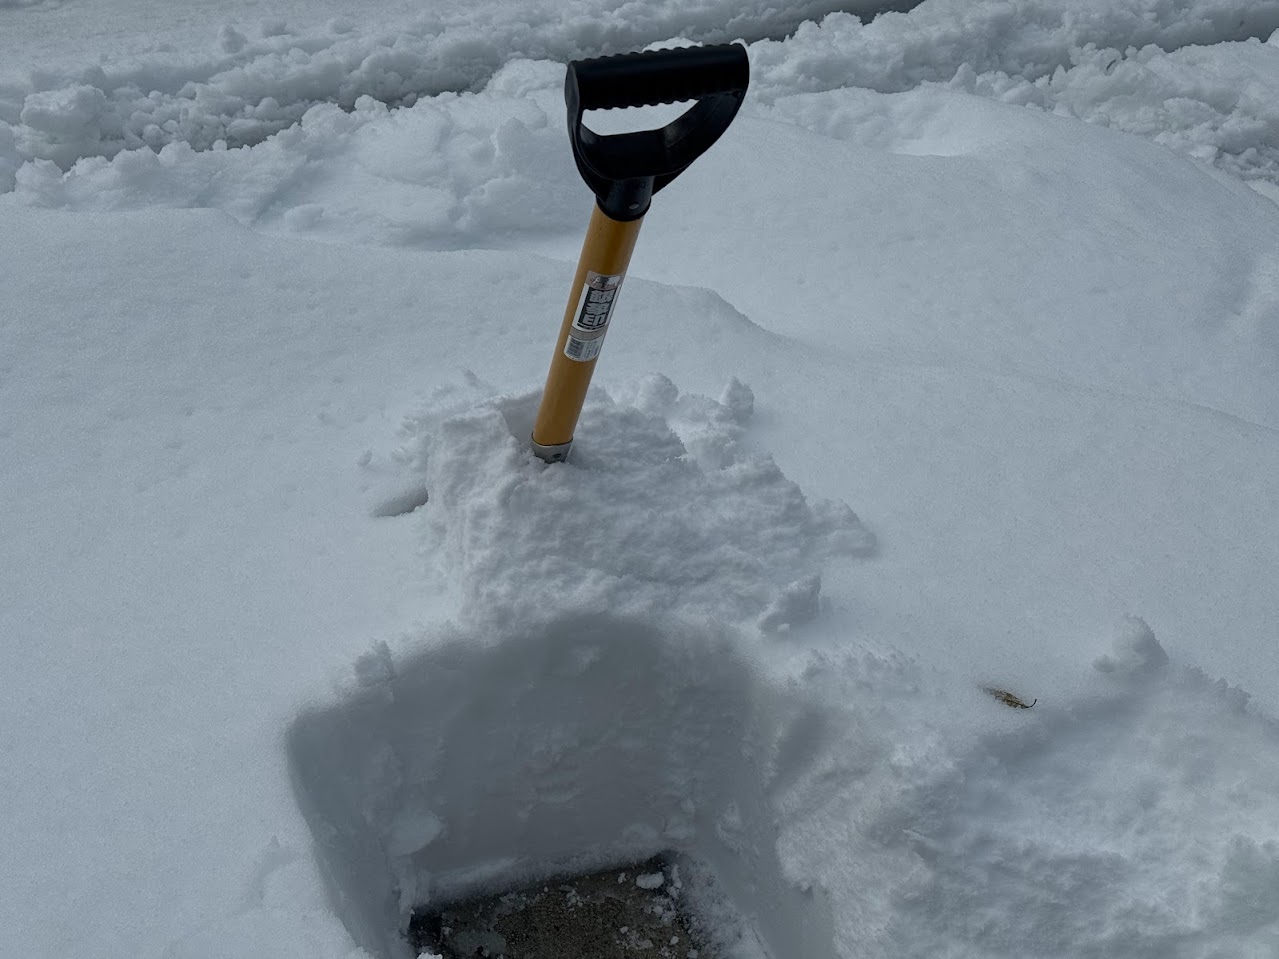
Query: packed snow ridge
[(246, 89), (1153, 70)]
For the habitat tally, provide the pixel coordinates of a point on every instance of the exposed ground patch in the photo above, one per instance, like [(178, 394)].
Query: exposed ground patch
[(612, 914)]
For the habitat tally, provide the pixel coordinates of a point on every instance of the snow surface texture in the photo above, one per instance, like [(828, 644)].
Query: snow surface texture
[(998, 850), (1122, 64), (297, 632), (240, 91), (576, 723), (641, 525)]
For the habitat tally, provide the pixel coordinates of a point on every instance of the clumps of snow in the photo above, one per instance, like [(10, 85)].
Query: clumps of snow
[(443, 174), (1102, 62), (1120, 820), (1160, 71), (650, 880), (231, 40), (1136, 651), (1135, 823), (795, 603), (273, 27), (710, 430), (244, 90), (270, 143), (1028, 39), (62, 125), (1210, 103), (661, 506)]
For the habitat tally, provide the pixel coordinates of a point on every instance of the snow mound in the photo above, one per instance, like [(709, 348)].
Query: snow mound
[(1139, 822), (640, 522), (1163, 71), (1103, 61), (1210, 103), (1028, 39), (240, 90), (444, 174), (1113, 820)]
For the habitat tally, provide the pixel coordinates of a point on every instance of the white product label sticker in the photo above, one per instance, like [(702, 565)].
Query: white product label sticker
[(595, 304), (583, 350)]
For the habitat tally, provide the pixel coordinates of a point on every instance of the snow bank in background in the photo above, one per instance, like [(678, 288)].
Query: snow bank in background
[(1101, 61), (1105, 63), (445, 174), (456, 171), (1212, 103), (1056, 215), (241, 91), (1024, 38)]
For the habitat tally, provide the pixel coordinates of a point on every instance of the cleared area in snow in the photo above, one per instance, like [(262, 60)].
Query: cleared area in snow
[(555, 748)]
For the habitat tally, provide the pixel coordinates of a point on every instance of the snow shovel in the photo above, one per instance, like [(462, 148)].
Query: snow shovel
[(624, 171)]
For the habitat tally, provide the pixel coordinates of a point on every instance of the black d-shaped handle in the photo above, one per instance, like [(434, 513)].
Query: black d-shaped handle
[(625, 170)]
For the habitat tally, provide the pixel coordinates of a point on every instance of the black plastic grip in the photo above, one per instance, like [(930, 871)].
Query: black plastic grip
[(660, 76), (624, 170)]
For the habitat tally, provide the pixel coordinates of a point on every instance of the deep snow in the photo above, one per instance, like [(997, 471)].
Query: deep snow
[(919, 384)]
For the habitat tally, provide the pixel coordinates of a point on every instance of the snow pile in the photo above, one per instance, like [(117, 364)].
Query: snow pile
[(592, 709), (1161, 71), (1130, 818), (636, 526), (1102, 61), (1026, 38), (1212, 103), (240, 92), (444, 174)]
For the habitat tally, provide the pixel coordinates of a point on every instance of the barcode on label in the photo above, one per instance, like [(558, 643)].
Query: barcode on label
[(583, 350)]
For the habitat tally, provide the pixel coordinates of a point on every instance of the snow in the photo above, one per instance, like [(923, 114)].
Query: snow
[(650, 880), (951, 367)]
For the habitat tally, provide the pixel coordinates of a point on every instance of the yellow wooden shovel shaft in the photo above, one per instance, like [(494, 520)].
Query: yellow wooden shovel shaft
[(606, 251)]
